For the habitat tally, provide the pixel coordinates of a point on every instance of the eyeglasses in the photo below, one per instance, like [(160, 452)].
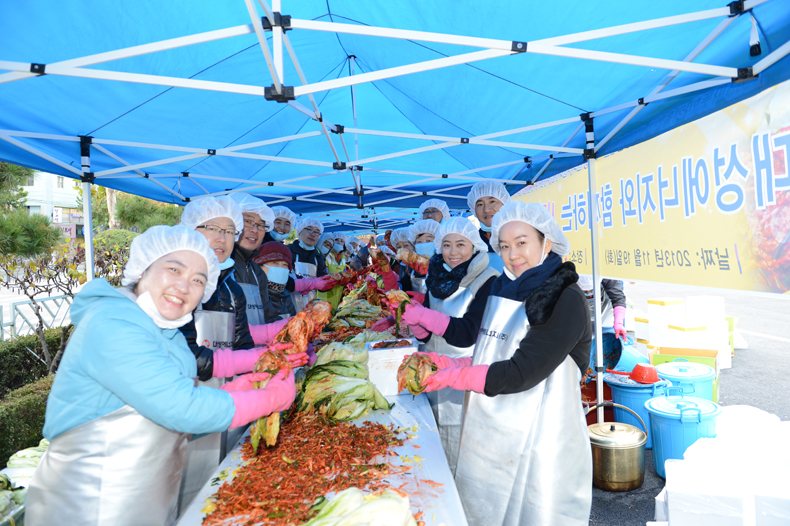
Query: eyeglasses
[(312, 231), (217, 230), (430, 212), (252, 225)]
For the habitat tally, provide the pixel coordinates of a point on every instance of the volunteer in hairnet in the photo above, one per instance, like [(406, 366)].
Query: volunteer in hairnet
[(612, 321), (533, 346), (435, 209), (277, 261), (447, 323), (352, 245), (124, 400), (422, 236), (258, 219), (400, 240), (284, 222), (484, 200), (336, 256), (308, 262)]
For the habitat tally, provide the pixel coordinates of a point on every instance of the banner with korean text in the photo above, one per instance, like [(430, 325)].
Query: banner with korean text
[(705, 204)]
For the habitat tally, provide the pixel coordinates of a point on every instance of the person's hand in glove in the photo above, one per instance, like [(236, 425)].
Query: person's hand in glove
[(472, 378), (278, 395), (390, 279), (444, 362), (306, 285), (245, 382), (619, 328), (419, 332), (229, 363), (416, 296), (312, 357), (436, 322), (263, 334), (384, 324)]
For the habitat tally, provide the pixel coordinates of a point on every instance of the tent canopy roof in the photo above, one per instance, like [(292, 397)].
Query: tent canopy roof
[(179, 119)]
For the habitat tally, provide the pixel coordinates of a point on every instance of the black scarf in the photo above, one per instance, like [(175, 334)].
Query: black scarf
[(443, 283), (523, 286)]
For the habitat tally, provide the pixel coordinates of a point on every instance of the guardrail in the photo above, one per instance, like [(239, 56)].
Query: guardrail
[(23, 322)]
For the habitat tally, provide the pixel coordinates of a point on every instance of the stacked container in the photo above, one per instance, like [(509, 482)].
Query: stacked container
[(633, 395), (693, 379), (661, 312)]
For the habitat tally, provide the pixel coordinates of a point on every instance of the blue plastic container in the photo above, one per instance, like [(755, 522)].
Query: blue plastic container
[(629, 357), (676, 422), (695, 379), (633, 395)]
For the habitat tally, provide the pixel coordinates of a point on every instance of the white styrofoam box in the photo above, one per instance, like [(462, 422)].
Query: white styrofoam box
[(642, 329), (687, 335), (383, 366), (641, 348), (705, 307), (660, 313), (705, 494), (662, 513)]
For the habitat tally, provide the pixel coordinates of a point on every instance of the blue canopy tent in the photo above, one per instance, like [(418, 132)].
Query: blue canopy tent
[(356, 112)]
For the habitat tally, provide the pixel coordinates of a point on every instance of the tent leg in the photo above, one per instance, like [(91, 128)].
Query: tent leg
[(88, 229), (592, 211)]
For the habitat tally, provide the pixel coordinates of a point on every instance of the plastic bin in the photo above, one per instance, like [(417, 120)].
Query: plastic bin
[(694, 379), (629, 357), (633, 395), (676, 422)]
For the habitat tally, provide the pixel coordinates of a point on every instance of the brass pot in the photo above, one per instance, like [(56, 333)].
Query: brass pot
[(618, 452)]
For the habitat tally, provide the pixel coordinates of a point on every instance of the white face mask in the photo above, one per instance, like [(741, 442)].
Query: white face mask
[(425, 249), (146, 302), (338, 248), (278, 236), (226, 264), (324, 250), (485, 228), (277, 275)]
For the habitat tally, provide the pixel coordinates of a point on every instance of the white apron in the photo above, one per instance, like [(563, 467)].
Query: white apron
[(304, 270), (252, 293), (119, 470), (418, 284), (215, 330), (524, 458)]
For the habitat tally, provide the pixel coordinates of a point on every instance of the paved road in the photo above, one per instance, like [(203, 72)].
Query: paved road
[(758, 377)]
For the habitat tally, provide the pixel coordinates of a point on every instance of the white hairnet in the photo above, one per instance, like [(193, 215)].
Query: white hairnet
[(463, 227), (400, 234), (423, 226), (535, 215), (380, 239), (285, 213), (387, 250), (305, 222), (485, 189), (207, 208), (585, 282), (439, 205), (324, 237), (161, 240), (340, 237), (250, 203)]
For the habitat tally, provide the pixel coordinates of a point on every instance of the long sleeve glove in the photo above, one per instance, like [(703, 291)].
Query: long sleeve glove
[(416, 296), (444, 362), (383, 325), (434, 321), (306, 285), (278, 395), (419, 331), (228, 363), (471, 378), (390, 281), (263, 334), (245, 382), (619, 317)]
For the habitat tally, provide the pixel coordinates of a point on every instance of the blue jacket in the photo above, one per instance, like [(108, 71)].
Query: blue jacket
[(117, 356)]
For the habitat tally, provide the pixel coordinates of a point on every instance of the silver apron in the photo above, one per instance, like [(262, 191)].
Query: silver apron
[(525, 458), (448, 403), (304, 270), (418, 284), (215, 330), (255, 314), (121, 469)]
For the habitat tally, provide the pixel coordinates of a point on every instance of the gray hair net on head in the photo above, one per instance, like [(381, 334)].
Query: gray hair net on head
[(324, 237), (424, 226), (159, 241), (463, 227), (250, 203), (535, 215), (285, 213), (439, 205), (305, 222), (487, 189), (400, 234), (207, 208), (387, 250)]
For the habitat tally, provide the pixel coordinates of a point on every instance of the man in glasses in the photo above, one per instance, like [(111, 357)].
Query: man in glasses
[(435, 209), (308, 262)]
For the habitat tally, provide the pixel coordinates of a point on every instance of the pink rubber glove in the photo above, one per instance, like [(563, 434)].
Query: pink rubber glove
[(419, 331), (383, 325), (229, 363), (306, 285), (312, 357), (298, 360), (245, 382), (434, 321), (444, 362), (471, 378), (416, 296), (278, 395), (390, 281), (619, 328), (263, 334)]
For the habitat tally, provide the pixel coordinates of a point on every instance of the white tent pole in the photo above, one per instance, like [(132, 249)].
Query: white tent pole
[(256, 23), (87, 215), (108, 153), (302, 77), (149, 164), (277, 44), (39, 153), (518, 145), (269, 141), (353, 59), (771, 59)]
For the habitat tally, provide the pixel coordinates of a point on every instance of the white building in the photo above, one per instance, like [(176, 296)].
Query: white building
[(55, 197)]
